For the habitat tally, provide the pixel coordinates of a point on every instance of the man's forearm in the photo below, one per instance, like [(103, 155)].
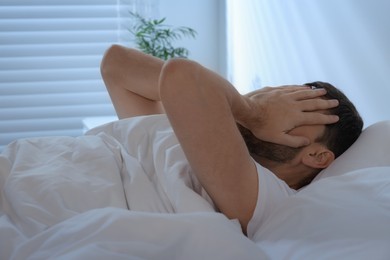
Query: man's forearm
[(131, 78), (137, 71), (202, 107)]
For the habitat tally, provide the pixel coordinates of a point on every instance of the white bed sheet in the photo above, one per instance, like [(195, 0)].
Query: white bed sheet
[(344, 217), (69, 198), (92, 197)]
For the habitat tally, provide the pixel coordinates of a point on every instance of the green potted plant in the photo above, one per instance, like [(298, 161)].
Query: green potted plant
[(153, 37)]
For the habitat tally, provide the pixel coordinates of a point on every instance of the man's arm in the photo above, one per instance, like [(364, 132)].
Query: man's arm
[(203, 109), (131, 78)]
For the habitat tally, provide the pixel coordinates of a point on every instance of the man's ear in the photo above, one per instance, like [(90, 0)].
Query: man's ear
[(318, 156)]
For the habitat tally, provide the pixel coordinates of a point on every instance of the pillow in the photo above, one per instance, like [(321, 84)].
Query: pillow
[(342, 217), (371, 149), (344, 213)]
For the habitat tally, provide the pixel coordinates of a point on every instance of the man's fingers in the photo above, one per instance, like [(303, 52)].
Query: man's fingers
[(289, 89), (292, 141), (292, 87), (316, 118), (318, 104), (308, 93)]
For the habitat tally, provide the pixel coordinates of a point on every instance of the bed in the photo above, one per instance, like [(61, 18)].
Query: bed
[(96, 197)]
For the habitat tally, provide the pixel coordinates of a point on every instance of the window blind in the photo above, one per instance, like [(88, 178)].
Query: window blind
[(50, 53)]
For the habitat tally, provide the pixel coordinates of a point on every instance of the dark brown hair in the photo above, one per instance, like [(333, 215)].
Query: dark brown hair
[(338, 137)]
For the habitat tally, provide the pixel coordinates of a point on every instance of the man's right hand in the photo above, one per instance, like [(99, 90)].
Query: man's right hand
[(273, 112)]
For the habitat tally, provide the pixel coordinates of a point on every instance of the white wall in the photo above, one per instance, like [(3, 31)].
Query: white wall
[(206, 17), (344, 42)]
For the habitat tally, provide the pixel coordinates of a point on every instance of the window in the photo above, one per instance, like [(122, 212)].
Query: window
[(281, 42), (50, 53)]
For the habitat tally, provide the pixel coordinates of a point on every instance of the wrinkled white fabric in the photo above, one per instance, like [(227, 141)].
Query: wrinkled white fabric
[(343, 217), (110, 195)]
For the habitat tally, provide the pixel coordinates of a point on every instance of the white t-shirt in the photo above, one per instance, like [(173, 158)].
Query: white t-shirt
[(159, 178), (272, 191)]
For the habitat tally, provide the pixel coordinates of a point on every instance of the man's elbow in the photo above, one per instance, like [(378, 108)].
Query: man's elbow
[(176, 73), (110, 58)]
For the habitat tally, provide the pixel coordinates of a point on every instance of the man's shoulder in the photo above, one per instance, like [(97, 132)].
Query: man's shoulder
[(272, 183)]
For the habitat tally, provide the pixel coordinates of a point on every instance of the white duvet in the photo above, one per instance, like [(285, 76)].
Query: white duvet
[(123, 192)]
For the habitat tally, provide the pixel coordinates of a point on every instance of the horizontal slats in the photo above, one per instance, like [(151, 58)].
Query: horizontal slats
[(53, 37), (57, 11), (55, 2), (61, 99), (50, 54), (48, 87), (56, 112), (22, 63), (49, 75), (59, 49), (40, 124), (55, 24)]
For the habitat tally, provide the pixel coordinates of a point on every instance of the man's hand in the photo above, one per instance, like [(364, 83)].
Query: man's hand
[(273, 112)]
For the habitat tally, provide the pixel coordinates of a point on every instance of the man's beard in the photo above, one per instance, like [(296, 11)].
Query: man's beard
[(271, 151)]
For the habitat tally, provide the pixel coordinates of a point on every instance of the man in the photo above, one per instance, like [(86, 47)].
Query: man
[(336, 137), (204, 110)]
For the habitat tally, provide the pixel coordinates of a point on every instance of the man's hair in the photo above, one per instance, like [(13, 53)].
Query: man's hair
[(338, 137)]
